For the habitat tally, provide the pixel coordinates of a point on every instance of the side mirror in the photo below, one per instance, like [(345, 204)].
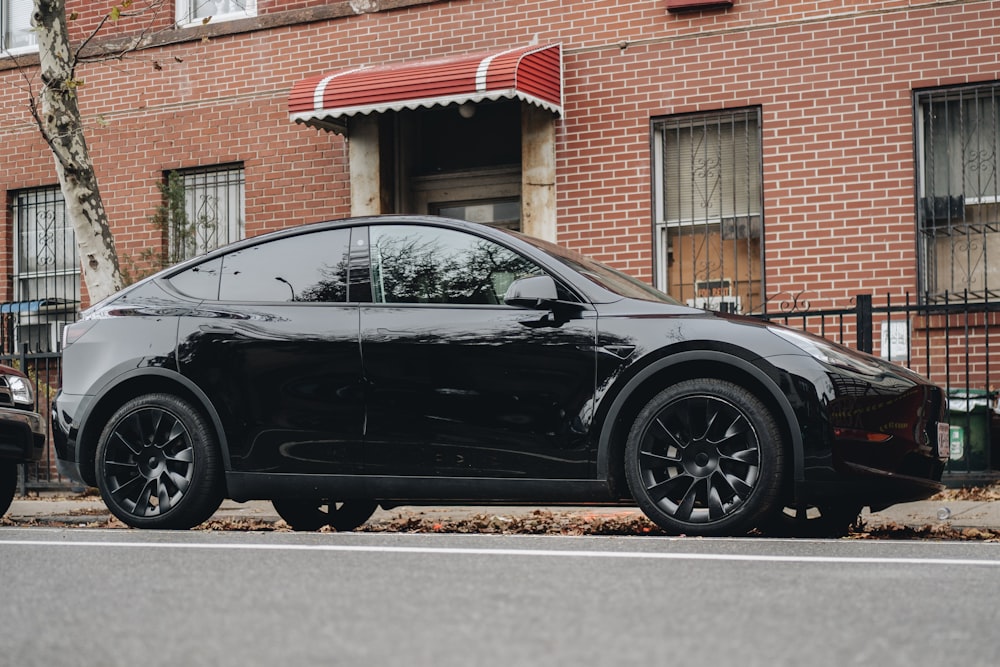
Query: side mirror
[(532, 292)]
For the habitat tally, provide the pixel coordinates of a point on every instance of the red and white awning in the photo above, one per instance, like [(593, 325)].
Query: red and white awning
[(532, 74)]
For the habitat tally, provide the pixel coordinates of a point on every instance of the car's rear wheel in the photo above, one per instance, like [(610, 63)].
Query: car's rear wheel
[(305, 514), (828, 520), (8, 485), (705, 457), (158, 463)]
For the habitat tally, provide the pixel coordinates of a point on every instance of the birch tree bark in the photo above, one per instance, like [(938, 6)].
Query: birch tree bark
[(58, 116)]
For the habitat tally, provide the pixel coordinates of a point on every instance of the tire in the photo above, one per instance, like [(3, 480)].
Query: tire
[(304, 514), (158, 464), (8, 485), (815, 521), (705, 457)]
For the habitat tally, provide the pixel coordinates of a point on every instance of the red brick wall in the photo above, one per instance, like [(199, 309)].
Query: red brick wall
[(833, 79)]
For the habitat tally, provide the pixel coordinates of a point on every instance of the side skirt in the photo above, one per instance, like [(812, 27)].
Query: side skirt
[(408, 490)]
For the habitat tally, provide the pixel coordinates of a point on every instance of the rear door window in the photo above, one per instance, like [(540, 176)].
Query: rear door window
[(305, 268)]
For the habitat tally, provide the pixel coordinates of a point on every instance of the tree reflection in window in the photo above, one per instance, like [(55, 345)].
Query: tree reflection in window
[(303, 268), (428, 265)]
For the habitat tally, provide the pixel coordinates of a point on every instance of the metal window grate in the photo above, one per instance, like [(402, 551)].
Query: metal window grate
[(46, 291), (214, 200), (958, 184), (708, 203)]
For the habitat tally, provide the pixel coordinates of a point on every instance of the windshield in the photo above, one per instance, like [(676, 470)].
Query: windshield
[(601, 274)]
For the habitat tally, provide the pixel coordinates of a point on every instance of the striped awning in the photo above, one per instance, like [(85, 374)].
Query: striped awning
[(532, 74)]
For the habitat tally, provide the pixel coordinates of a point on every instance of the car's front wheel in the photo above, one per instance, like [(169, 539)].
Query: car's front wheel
[(705, 457), (305, 514), (8, 485), (158, 463)]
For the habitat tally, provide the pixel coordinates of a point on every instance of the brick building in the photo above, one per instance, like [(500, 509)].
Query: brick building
[(753, 154)]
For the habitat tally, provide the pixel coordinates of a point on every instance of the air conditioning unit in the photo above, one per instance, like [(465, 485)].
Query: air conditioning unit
[(39, 336)]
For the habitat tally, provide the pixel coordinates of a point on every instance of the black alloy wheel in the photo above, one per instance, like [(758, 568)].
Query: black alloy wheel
[(305, 514), (705, 457), (8, 485), (158, 464)]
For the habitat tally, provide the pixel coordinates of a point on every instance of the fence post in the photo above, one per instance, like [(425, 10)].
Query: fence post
[(864, 322)]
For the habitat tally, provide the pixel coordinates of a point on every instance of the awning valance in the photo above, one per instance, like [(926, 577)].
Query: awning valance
[(532, 74)]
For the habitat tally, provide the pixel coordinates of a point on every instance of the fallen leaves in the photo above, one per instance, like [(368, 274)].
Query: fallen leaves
[(535, 522), (973, 493)]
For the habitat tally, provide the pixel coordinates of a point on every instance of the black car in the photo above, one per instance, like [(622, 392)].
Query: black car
[(390, 360), (22, 431)]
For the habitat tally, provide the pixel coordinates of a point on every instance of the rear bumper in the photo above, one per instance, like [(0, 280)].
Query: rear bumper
[(22, 435)]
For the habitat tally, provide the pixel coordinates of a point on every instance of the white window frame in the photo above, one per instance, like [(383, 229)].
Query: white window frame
[(198, 12), (7, 14)]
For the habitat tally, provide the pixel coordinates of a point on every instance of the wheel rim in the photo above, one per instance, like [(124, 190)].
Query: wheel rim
[(699, 459), (149, 462)]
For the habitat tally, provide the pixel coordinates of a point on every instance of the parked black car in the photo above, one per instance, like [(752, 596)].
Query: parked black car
[(22, 431), (398, 360)]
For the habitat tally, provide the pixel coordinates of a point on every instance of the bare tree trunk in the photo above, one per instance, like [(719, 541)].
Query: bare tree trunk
[(58, 117)]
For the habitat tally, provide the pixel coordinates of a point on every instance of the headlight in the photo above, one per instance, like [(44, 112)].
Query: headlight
[(828, 352), (20, 389)]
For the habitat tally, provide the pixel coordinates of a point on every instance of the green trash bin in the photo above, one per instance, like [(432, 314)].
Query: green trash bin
[(969, 415)]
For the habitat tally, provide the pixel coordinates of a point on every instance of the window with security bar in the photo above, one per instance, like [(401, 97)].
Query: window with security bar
[(958, 188), (15, 18), (46, 271), (212, 211), (197, 12), (708, 209)]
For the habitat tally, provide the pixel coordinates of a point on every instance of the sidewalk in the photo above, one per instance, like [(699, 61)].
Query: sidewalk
[(90, 509)]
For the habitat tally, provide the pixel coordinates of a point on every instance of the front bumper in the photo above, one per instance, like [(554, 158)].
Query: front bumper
[(885, 439), (22, 435), (65, 433)]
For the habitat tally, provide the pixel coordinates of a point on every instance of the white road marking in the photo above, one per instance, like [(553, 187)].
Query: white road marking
[(535, 553)]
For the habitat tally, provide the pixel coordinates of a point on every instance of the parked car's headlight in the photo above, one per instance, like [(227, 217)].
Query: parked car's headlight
[(20, 389), (828, 352)]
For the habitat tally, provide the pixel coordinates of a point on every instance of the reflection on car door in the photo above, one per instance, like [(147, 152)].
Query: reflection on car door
[(278, 352), (460, 384)]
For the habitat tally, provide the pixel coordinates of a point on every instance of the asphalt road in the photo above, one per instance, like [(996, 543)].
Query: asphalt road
[(113, 597)]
